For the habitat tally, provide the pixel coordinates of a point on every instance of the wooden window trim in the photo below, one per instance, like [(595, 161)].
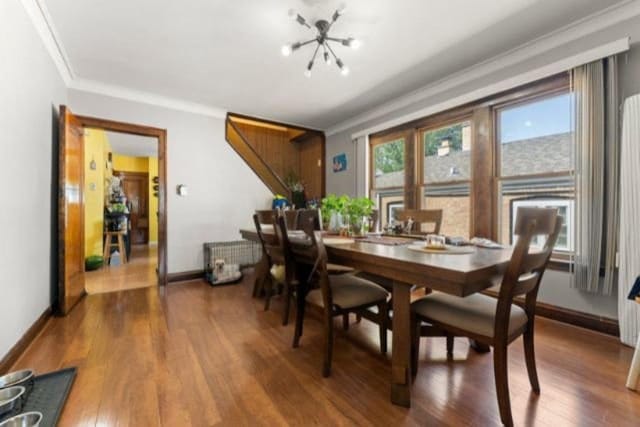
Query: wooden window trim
[(485, 181), (374, 141)]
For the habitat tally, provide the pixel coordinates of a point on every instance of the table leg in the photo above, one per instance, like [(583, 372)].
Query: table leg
[(634, 371), (401, 355), (261, 272), (479, 347)]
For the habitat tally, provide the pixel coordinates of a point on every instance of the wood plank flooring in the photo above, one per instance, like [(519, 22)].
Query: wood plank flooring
[(207, 356), (139, 272)]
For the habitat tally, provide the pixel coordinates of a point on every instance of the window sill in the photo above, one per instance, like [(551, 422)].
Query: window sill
[(559, 264)]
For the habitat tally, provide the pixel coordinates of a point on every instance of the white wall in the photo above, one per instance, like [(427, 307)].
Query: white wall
[(223, 190), (555, 287), (30, 90)]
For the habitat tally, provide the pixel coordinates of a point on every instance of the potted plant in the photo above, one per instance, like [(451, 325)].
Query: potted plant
[(359, 209), (296, 186), (332, 209)]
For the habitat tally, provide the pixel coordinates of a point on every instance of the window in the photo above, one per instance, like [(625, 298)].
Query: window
[(387, 174), (535, 147), (565, 242), (388, 164), (446, 173)]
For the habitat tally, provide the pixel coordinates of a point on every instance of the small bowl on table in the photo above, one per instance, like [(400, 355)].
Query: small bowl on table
[(26, 419), (435, 242)]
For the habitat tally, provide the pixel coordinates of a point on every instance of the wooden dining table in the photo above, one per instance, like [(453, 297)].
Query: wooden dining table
[(455, 274)]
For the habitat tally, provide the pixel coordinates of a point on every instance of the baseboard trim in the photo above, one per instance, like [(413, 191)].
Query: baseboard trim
[(183, 276), (23, 343), (589, 321)]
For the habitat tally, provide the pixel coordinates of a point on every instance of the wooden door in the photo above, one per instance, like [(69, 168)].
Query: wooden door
[(136, 188), (312, 166), (70, 212)]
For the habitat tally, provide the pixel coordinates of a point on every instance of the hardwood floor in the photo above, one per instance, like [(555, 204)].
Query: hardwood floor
[(211, 356), (139, 272)]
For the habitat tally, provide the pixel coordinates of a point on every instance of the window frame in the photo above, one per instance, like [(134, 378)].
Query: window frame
[(421, 160), (373, 143), (485, 180), (559, 256)]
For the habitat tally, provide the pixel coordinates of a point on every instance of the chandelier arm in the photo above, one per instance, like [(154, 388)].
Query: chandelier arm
[(302, 21), (315, 53), (337, 39), (332, 52), (299, 45)]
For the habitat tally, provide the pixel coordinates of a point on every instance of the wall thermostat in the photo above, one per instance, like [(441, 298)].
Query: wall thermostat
[(182, 190)]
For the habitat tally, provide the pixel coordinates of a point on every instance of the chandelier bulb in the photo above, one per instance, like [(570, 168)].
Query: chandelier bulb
[(286, 50), (327, 58), (307, 73), (344, 71)]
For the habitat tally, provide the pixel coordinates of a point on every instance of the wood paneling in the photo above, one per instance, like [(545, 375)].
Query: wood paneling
[(311, 164), (237, 141), (70, 212), (274, 148), (211, 356)]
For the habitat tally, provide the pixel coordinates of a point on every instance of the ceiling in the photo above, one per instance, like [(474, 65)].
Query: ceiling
[(127, 144), (226, 54)]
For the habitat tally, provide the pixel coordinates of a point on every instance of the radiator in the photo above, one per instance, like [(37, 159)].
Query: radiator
[(242, 252)]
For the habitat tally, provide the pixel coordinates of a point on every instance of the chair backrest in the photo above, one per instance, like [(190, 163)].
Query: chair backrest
[(271, 246), (526, 267), (291, 217), (420, 217), (306, 215), (311, 251)]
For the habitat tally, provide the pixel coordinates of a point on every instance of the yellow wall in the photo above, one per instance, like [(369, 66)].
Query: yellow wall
[(147, 165), (153, 201), (96, 149), (130, 164)]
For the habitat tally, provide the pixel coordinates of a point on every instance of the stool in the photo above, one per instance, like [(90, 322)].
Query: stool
[(108, 244)]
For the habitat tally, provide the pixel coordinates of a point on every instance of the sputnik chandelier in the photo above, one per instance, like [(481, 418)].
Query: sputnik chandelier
[(322, 40)]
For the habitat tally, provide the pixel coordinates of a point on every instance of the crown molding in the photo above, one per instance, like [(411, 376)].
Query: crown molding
[(114, 91), (41, 19), (574, 31)]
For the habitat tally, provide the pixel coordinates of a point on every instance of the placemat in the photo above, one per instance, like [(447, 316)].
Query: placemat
[(449, 250), (387, 240)]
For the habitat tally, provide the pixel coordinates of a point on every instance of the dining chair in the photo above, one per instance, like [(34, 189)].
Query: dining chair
[(420, 217), (272, 253), (335, 294), (498, 322), (291, 216)]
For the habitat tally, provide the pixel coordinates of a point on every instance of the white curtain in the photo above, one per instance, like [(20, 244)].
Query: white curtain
[(628, 311), (588, 87)]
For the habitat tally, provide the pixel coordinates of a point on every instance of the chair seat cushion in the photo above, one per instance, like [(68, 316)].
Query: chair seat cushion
[(349, 291), (475, 313)]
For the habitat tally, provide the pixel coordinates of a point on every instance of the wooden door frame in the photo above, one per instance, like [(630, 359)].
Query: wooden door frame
[(161, 135)]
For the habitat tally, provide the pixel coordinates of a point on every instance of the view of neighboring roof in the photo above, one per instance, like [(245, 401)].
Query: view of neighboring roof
[(535, 155)]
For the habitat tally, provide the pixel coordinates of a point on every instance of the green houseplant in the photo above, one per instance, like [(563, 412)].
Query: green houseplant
[(359, 209), (333, 206)]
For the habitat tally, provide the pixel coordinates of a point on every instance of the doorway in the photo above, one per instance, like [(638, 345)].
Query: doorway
[(112, 218)]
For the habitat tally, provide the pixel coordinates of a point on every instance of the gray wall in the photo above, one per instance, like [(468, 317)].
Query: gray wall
[(223, 190), (30, 90), (555, 289)]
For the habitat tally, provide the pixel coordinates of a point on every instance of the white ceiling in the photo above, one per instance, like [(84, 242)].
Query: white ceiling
[(132, 145), (226, 54)]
